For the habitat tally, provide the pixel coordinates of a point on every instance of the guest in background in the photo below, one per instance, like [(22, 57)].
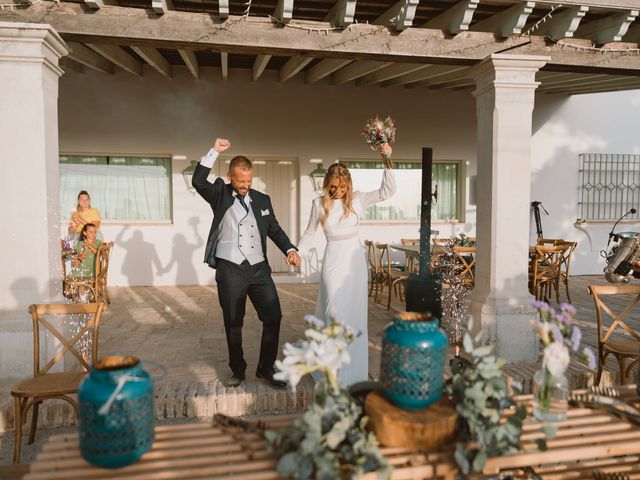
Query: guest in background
[(83, 214)]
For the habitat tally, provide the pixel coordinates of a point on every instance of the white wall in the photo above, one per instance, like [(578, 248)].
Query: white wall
[(564, 128), (153, 115)]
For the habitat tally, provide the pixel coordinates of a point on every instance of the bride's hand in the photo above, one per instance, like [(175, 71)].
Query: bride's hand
[(386, 150)]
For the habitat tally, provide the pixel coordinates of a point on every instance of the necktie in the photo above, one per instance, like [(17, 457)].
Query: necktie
[(244, 205)]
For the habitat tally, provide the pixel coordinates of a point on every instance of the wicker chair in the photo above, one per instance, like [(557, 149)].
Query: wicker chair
[(29, 394)]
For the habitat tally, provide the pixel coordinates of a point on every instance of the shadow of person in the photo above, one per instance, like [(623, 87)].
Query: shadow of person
[(141, 256), (182, 256)]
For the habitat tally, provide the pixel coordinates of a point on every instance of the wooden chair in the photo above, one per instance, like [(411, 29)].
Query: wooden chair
[(29, 394), (565, 267), (554, 242), (374, 274), (412, 264), (464, 262), (545, 270), (97, 285), (619, 339), (390, 278)]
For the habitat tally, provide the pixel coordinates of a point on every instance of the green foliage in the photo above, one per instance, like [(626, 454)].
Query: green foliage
[(480, 393), (328, 442), (462, 241)]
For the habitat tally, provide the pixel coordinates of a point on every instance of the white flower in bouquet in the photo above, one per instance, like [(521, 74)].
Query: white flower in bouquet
[(377, 132), (324, 350), (556, 358)]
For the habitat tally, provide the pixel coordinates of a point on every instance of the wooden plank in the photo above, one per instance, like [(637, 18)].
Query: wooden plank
[(608, 29), (99, 3), (390, 72), (284, 11), (324, 68), (118, 57), (224, 65), (399, 16), (342, 13), (258, 35), (455, 19), (562, 24), (507, 22), (191, 61), (259, 65), (292, 67), (427, 74), (155, 59), (356, 70), (223, 8), (89, 58)]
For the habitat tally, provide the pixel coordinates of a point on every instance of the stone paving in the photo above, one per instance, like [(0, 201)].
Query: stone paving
[(181, 328)]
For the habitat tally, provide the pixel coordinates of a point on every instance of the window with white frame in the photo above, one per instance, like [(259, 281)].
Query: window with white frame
[(609, 186), (405, 204), (121, 188)]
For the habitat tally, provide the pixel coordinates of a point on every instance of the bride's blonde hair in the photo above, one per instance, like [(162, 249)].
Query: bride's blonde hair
[(340, 171)]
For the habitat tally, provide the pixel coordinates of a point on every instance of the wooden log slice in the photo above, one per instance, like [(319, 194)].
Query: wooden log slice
[(425, 430)]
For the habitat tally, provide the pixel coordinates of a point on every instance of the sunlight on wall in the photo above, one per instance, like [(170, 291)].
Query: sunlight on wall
[(558, 136)]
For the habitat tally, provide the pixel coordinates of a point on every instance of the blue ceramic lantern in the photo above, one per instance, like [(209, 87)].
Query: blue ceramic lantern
[(414, 350), (116, 412)]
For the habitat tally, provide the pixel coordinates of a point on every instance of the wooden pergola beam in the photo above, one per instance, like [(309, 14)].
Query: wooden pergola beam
[(428, 73), (390, 72), (258, 35), (118, 56), (292, 67), (191, 61), (155, 59), (356, 70), (89, 58), (563, 24), (342, 13), (324, 68), (456, 19), (399, 16), (161, 6), (224, 65), (259, 65), (610, 28), (508, 22)]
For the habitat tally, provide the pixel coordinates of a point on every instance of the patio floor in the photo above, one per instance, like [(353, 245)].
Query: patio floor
[(180, 327)]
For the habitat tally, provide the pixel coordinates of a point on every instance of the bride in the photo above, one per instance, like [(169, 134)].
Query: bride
[(343, 283)]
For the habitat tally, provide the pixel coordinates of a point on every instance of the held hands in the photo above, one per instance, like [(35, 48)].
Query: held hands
[(386, 150), (293, 258), (221, 144)]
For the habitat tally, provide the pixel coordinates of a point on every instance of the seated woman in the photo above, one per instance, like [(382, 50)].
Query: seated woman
[(83, 214), (84, 261)]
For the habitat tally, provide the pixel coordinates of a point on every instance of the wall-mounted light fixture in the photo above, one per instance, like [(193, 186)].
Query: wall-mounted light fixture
[(187, 172), (317, 175)]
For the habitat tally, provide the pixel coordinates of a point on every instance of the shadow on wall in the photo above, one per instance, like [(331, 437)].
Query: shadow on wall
[(182, 255), (140, 258)]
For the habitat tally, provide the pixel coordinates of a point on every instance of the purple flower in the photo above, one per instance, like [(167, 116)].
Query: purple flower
[(576, 336), (591, 358), (563, 318), (567, 308), (557, 334)]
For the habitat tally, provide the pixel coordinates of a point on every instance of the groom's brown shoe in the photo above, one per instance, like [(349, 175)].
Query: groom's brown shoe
[(267, 377), (235, 380)]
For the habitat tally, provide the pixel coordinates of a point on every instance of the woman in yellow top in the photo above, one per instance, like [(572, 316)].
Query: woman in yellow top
[(83, 214)]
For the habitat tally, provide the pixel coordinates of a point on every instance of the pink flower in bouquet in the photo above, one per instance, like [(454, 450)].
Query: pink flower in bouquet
[(377, 132)]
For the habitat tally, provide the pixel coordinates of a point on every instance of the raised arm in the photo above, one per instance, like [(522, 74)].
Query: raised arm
[(200, 182), (386, 190), (312, 227)]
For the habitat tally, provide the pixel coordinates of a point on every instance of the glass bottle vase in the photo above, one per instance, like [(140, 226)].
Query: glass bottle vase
[(550, 396)]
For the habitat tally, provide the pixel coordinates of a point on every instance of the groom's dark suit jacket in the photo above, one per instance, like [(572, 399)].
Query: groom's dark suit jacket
[(220, 196)]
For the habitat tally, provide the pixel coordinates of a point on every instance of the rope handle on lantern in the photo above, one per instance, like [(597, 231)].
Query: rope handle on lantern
[(104, 409)]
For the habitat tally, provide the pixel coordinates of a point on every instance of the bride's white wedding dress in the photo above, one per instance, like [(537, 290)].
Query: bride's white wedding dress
[(344, 278)]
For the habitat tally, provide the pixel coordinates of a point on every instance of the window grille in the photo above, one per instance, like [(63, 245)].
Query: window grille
[(609, 186)]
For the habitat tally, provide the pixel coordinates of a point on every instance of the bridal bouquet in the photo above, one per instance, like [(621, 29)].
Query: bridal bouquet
[(329, 440), (560, 339), (377, 132)]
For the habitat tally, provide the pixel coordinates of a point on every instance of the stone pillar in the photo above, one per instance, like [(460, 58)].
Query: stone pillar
[(30, 240), (501, 303)]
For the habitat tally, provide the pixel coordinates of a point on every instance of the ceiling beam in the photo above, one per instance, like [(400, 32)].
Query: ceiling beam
[(258, 35), (593, 80), (604, 4), (153, 57), (608, 29), (455, 19), (399, 16), (390, 72), (99, 3), (223, 8), (431, 72), (284, 11), (259, 65), (118, 56), (224, 65), (161, 6), (292, 67), (191, 61), (562, 24), (69, 65), (508, 22), (324, 68), (342, 13), (356, 70), (613, 86), (89, 58)]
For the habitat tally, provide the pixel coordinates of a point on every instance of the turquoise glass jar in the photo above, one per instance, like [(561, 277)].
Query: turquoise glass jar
[(414, 350), (116, 421)]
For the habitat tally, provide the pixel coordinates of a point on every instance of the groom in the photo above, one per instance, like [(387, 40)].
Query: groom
[(237, 249)]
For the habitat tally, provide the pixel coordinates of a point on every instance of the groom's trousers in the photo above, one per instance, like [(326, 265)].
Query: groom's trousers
[(236, 282)]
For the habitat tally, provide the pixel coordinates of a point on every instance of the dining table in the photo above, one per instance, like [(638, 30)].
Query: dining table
[(590, 441)]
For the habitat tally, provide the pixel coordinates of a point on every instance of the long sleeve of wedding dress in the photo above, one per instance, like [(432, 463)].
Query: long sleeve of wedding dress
[(312, 227), (386, 190)]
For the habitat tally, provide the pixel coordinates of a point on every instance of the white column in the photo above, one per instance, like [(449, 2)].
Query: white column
[(30, 240), (501, 303)]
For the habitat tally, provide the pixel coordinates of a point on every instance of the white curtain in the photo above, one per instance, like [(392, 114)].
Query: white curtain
[(121, 188)]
